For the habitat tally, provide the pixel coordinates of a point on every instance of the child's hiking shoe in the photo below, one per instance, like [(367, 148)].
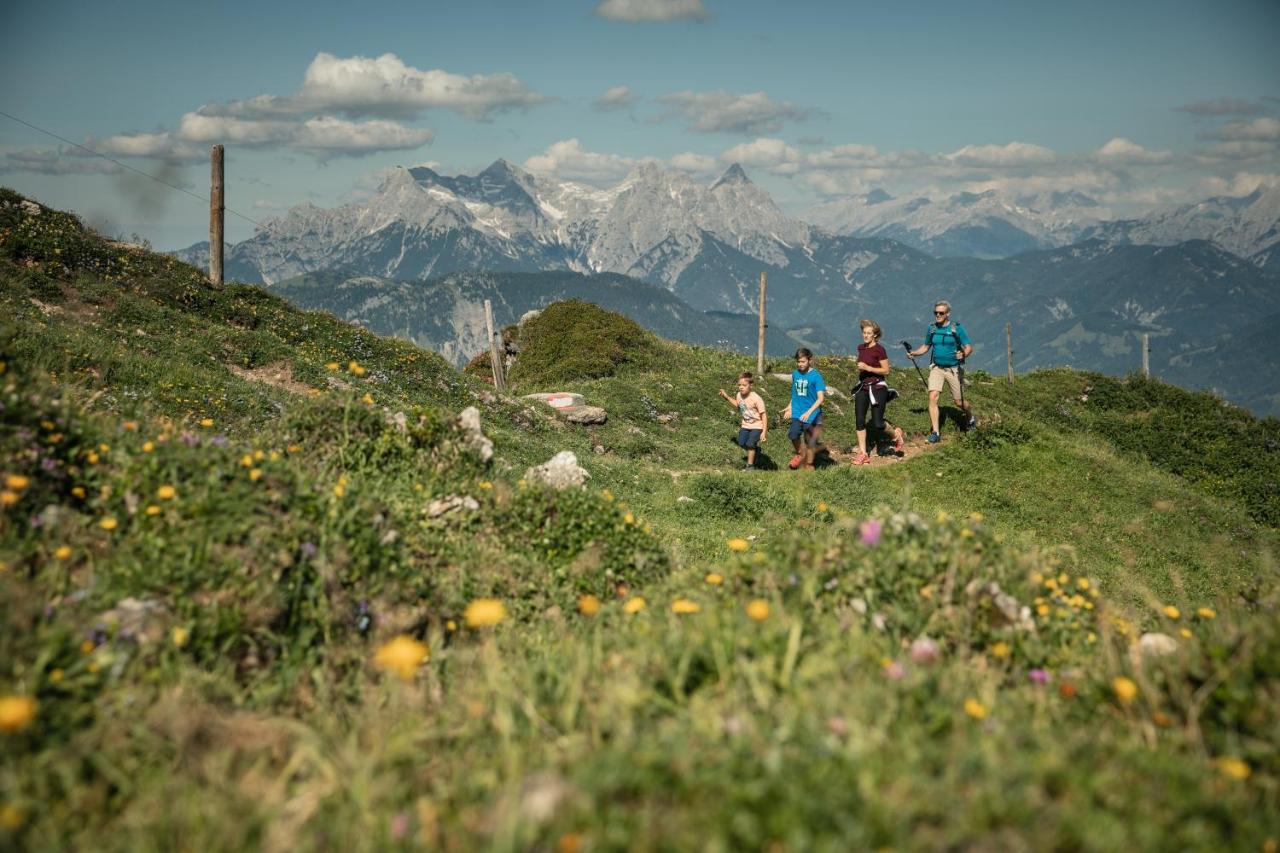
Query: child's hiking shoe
[(933, 438), (862, 459), (899, 441), (795, 462), (748, 467), (972, 424)]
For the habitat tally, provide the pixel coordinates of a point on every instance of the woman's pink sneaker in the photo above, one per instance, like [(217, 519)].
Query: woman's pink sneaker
[(862, 459), (899, 441), (795, 462)]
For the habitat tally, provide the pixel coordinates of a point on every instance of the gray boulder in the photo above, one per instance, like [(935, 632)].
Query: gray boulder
[(560, 471)]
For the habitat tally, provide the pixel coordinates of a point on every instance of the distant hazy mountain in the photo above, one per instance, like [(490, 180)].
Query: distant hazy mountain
[(988, 224), (446, 314), (1248, 226)]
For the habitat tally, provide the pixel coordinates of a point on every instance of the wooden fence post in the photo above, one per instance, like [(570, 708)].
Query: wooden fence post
[(495, 356), (216, 214), (760, 343), (1146, 354), (1008, 346)]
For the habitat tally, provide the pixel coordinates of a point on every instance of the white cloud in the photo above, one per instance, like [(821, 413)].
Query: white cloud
[(1262, 129), (159, 146), (1221, 107), (772, 155), (326, 136), (48, 161), (633, 11), (195, 127), (695, 163), (614, 98), (386, 86), (1120, 151), (1239, 184), (1012, 154), (725, 112), (568, 160), (1225, 152)]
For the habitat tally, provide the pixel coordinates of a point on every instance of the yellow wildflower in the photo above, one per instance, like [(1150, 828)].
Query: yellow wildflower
[(758, 609), (926, 591), (55, 675), (1186, 633), (333, 365), (78, 491), (1233, 767), (62, 552), (17, 482), (152, 509), (634, 605), (11, 817), (484, 612), (130, 426), (402, 656), (179, 635), (16, 713), (714, 578), (339, 490), (739, 545), (1051, 583), (975, 709), (294, 448), (148, 446), (367, 399), (627, 519), (1126, 691), (684, 606), (1206, 613), (8, 498), (1000, 650), (255, 474), (166, 493), (206, 422), (822, 506), (1171, 611), (588, 605), (356, 369), (108, 523)]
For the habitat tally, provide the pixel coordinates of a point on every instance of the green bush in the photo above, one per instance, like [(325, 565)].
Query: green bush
[(574, 340)]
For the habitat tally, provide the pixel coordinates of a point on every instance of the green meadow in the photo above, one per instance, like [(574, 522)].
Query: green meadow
[(263, 588)]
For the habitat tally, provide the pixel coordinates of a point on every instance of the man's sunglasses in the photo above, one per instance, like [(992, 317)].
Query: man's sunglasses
[(939, 313)]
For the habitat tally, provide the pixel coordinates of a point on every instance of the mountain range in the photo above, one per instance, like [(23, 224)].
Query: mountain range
[(704, 245)]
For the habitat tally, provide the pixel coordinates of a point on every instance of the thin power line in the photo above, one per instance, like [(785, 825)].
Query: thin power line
[(132, 169)]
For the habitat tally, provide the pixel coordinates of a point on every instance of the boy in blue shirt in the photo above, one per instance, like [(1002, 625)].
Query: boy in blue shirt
[(808, 390), (948, 345)]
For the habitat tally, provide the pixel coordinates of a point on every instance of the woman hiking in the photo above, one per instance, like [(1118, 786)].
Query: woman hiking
[(872, 394)]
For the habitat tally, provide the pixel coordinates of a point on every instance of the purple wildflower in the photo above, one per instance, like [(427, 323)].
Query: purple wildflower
[(870, 531), (924, 651), (1038, 676), (219, 441), (894, 671), (399, 826), (190, 439), (307, 549)]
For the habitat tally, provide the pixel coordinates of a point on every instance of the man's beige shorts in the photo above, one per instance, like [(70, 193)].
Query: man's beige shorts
[(939, 376)]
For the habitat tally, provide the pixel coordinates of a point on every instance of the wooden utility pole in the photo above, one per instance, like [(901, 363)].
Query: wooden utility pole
[(217, 211), (1008, 346), (495, 356), (760, 344), (1146, 354)]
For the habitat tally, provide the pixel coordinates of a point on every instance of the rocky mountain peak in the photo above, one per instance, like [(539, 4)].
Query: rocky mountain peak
[(734, 175)]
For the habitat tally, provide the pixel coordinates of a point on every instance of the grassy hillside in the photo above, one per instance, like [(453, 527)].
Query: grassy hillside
[(240, 613)]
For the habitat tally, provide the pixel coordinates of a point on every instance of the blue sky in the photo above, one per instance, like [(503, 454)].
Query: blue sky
[(1134, 103)]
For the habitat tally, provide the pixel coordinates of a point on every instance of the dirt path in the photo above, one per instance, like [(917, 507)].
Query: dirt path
[(915, 446)]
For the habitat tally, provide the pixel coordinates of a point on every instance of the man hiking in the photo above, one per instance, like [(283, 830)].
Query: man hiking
[(948, 346)]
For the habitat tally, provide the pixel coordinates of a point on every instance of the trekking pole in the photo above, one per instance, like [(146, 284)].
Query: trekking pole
[(907, 346)]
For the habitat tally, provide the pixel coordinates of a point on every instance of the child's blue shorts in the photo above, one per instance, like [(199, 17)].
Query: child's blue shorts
[(799, 427), (749, 439)]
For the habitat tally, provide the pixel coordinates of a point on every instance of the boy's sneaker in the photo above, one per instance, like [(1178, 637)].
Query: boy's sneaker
[(795, 462), (748, 467), (933, 438), (899, 441)]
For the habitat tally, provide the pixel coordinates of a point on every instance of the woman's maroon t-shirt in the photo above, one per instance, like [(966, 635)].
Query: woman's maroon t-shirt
[(872, 355)]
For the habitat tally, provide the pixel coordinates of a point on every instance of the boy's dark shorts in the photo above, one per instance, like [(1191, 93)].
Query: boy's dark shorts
[(749, 439), (799, 427)]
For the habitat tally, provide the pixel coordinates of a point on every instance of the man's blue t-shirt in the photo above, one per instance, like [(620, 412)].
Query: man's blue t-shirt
[(804, 392), (944, 342)]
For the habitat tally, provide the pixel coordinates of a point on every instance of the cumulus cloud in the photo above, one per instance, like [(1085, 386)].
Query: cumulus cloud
[(569, 160), (772, 155), (725, 112), (327, 136), (386, 86), (1239, 184), (195, 127), (614, 98), (634, 11), (1238, 151), (1012, 154), (1121, 152), (158, 146), (49, 161), (695, 163), (1262, 129), (1221, 107)]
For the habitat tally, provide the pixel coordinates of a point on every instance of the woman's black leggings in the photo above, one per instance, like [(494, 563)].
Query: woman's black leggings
[(862, 402)]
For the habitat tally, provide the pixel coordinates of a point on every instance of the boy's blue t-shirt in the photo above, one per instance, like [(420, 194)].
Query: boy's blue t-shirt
[(944, 342), (804, 392)]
